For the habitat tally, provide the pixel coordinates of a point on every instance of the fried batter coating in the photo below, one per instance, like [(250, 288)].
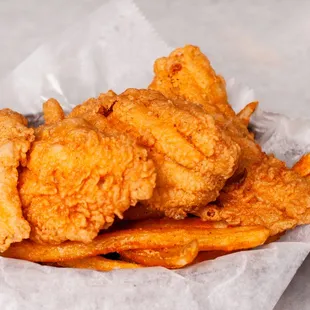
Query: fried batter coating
[(193, 157), (187, 74), (271, 195), (79, 177), (15, 140), (263, 191), (53, 112), (246, 113)]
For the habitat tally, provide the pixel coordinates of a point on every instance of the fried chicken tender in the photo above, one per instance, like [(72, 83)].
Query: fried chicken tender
[(79, 177), (270, 195), (15, 140), (192, 155), (187, 74), (263, 191)]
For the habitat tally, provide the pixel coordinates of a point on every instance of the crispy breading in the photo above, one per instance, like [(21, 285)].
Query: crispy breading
[(187, 74), (192, 155), (270, 195), (263, 191), (79, 177), (52, 111), (246, 113), (15, 140)]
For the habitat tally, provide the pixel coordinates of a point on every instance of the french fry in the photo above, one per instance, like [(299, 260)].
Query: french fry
[(171, 223), (246, 113), (274, 237), (302, 167), (169, 258), (97, 263), (209, 255), (225, 239)]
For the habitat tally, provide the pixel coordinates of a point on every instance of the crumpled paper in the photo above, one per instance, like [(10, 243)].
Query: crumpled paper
[(114, 47)]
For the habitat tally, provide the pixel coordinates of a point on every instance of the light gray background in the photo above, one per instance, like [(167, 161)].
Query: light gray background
[(264, 44)]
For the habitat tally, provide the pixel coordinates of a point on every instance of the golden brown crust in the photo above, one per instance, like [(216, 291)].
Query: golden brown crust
[(52, 111), (187, 74), (79, 176), (15, 140), (193, 157), (271, 195), (246, 113)]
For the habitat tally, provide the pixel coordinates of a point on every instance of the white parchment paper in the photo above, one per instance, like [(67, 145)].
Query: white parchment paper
[(115, 47)]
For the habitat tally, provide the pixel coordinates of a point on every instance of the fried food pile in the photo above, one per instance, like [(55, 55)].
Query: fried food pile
[(15, 139), (164, 176)]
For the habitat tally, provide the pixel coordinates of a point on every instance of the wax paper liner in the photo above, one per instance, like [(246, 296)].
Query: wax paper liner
[(115, 47)]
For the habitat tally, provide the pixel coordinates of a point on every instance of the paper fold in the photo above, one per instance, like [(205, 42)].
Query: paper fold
[(115, 47)]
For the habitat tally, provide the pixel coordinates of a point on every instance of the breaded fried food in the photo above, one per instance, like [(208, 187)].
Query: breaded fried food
[(79, 177), (174, 258), (263, 191), (187, 74), (193, 156), (271, 195), (52, 111), (246, 113), (15, 140), (213, 239)]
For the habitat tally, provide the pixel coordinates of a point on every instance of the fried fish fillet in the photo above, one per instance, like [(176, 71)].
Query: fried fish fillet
[(193, 156), (267, 192), (79, 176), (15, 140)]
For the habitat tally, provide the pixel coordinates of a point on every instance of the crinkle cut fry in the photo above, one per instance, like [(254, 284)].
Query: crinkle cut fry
[(270, 194), (97, 263), (173, 258), (228, 239)]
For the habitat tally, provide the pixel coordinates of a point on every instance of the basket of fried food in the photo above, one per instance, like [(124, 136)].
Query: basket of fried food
[(164, 176)]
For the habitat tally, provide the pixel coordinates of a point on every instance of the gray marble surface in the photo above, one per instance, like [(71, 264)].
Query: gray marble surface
[(264, 44)]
